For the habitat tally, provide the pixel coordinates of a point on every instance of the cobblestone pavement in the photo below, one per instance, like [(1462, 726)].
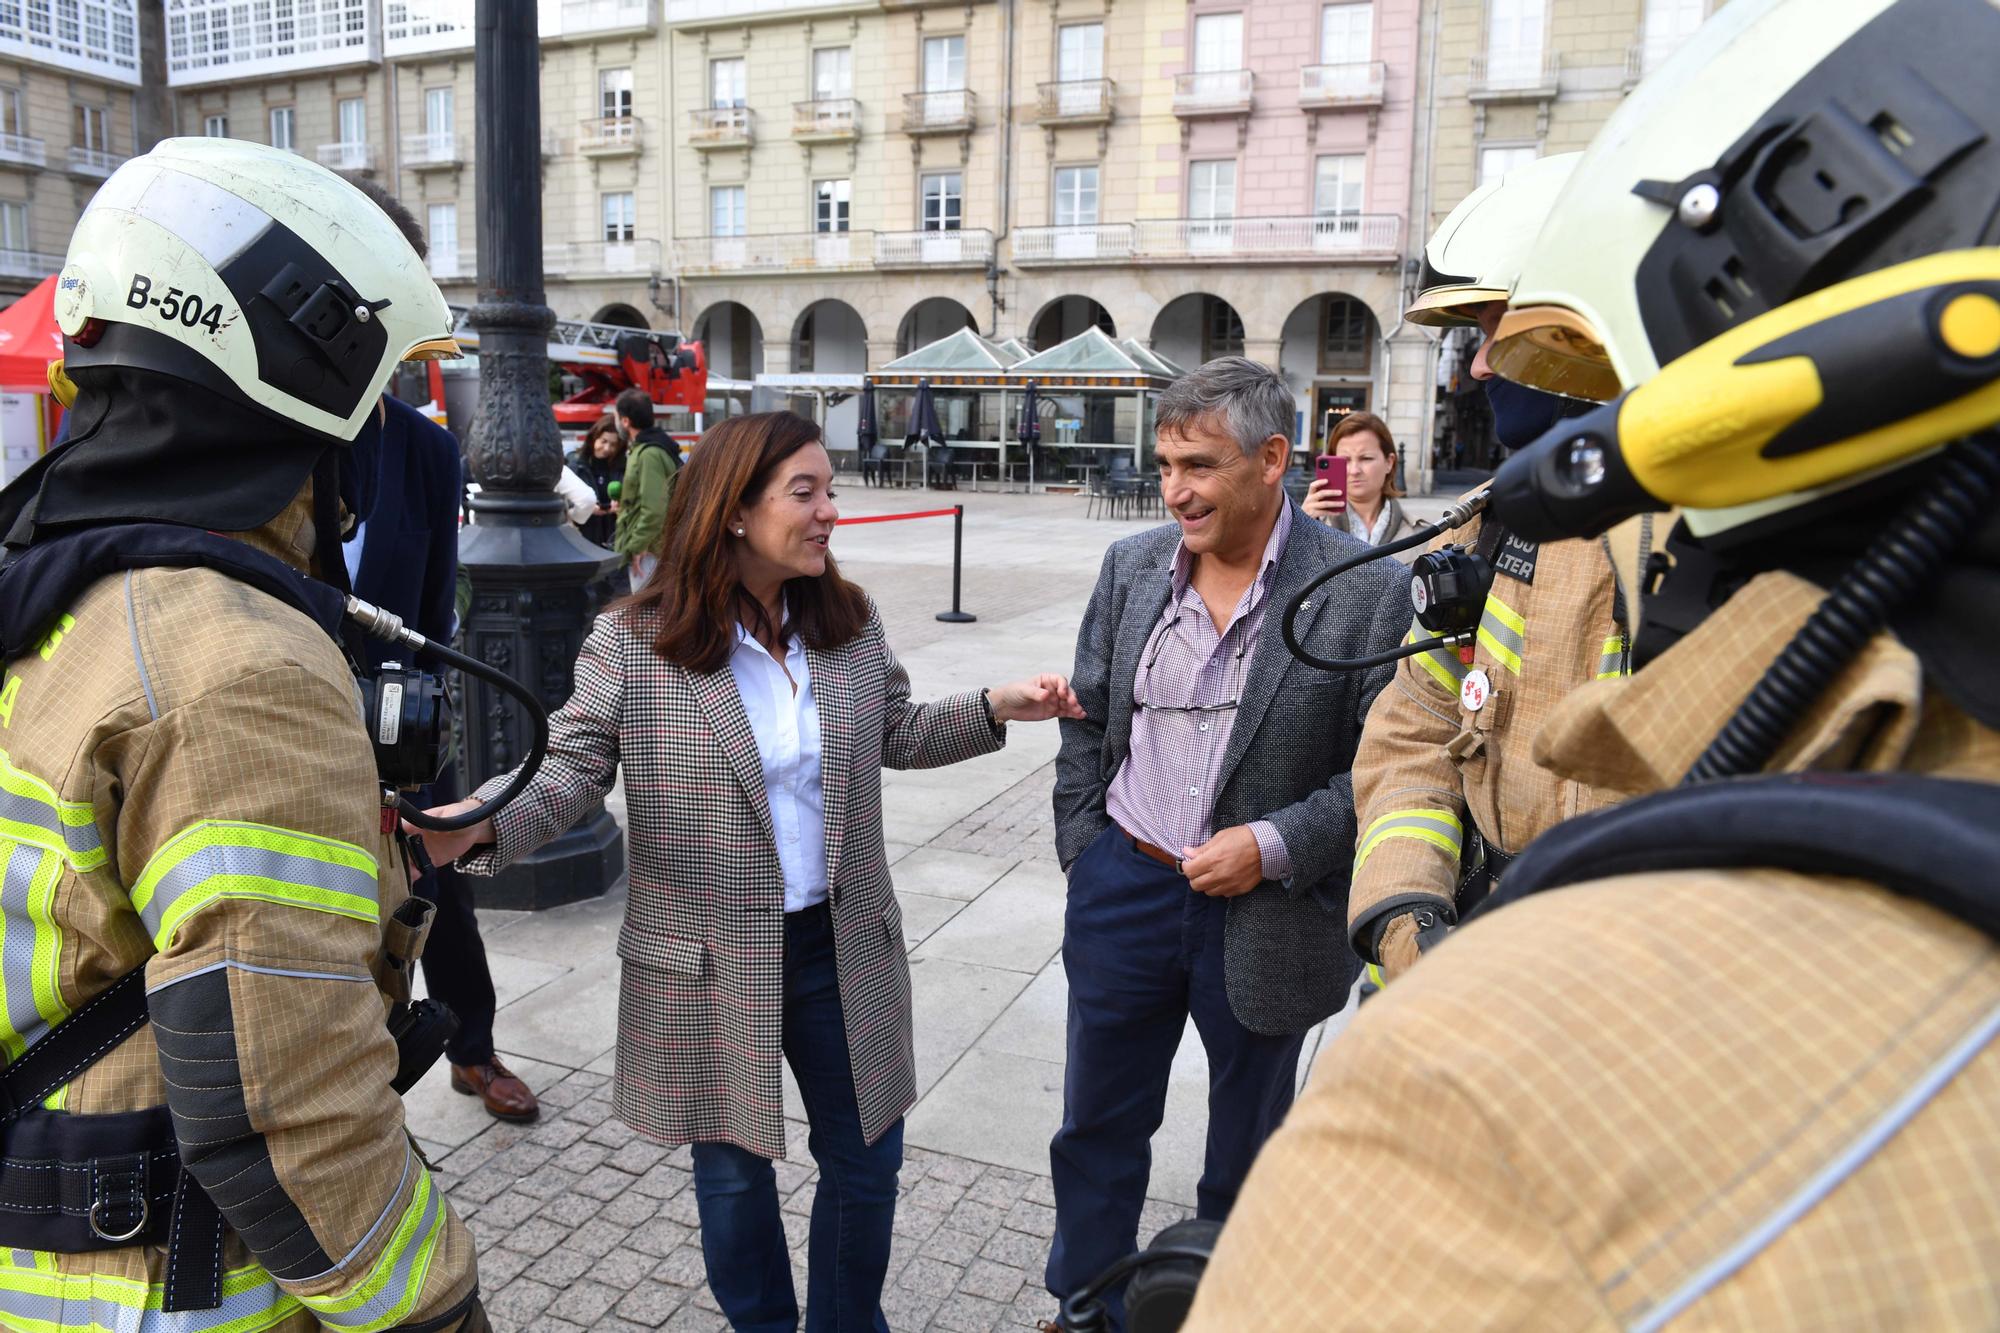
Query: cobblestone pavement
[(582, 1224)]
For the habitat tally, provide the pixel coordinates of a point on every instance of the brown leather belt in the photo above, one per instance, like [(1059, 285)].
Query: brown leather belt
[(1160, 854)]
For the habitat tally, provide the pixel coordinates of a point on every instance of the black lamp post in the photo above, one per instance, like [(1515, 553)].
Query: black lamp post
[(529, 565)]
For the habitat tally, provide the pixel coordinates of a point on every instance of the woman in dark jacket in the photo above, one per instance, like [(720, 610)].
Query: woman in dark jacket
[(600, 460)]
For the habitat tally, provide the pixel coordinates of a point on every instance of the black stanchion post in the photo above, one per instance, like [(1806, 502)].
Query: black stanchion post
[(956, 616)]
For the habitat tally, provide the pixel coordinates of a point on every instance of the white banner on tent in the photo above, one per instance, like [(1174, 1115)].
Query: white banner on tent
[(20, 433)]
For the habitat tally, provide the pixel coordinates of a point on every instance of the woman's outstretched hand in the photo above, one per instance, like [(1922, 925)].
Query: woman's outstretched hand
[(1036, 699), (444, 848)]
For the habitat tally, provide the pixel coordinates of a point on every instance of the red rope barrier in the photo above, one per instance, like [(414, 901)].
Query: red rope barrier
[(890, 518)]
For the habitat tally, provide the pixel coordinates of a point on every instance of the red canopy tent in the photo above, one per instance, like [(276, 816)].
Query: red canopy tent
[(29, 341)]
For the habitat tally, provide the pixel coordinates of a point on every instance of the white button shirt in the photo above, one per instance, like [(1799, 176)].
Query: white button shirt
[(788, 743)]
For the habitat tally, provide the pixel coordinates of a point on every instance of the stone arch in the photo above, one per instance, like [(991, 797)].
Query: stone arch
[(1066, 316), (928, 320), (1197, 327), (1330, 349), (734, 339), (621, 313)]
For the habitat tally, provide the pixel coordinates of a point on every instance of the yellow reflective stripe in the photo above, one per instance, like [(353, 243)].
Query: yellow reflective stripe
[(35, 1298), (31, 812), (31, 945), (1375, 976), (1440, 828), (1504, 632), (386, 1296), (1443, 665), (1612, 661), (213, 860)]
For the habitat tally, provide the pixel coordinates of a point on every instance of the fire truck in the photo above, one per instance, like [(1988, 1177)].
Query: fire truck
[(602, 360)]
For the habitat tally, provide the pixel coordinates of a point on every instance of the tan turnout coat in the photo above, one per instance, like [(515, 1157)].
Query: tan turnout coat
[(1582, 1109)]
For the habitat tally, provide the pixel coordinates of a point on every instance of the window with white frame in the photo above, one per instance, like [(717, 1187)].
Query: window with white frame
[(14, 227), (1076, 197), (614, 94), (1338, 183), (833, 73), (1211, 190), (440, 113), (1514, 40), (1497, 161), (1218, 43), (442, 232), (1079, 52), (212, 127), (944, 64), (944, 201), (728, 83), (12, 120), (92, 128), (284, 124), (1347, 33), (728, 210), (207, 34), (1668, 23), (621, 216), (353, 120), (830, 204)]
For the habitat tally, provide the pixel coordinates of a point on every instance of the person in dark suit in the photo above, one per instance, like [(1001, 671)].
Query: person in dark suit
[(403, 556), (1203, 810), (749, 692)]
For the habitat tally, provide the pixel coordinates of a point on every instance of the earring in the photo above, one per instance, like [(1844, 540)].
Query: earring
[(739, 532)]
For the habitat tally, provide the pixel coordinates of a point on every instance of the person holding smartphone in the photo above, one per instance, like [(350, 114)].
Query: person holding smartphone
[(1354, 483)]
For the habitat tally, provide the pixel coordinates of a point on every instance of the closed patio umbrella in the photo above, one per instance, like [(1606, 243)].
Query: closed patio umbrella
[(865, 432), (1030, 433), (924, 428)]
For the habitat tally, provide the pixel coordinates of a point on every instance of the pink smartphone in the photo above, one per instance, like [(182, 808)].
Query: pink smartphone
[(1332, 469)]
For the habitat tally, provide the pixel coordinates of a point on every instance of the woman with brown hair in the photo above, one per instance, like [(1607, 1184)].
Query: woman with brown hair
[(600, 460), (1373, 512), (753, 701)]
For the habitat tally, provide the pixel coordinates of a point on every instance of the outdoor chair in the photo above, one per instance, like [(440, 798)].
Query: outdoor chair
[(872, 464), (1122, 484)]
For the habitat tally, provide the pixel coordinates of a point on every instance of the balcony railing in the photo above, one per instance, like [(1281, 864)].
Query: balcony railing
[(28, 263), (610, 136), (453, 264), (722, 127), (1515, 76), (93, 161), (1073, 244), (588, 17), (1357, 84), (1077, 101), (575, 258), (1220, 92), (826, 119), (782, 252), (949, 111), (347, 156), (1351, 235), (431, 150), (924, 249), (22, 150)]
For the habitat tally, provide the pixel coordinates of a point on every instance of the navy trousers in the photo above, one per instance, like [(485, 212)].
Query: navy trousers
[(1143, 954), (854, 1203)]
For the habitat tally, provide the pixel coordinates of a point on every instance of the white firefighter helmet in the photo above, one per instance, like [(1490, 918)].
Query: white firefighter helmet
[(1782, 245), (1475, 255), (254, 273)]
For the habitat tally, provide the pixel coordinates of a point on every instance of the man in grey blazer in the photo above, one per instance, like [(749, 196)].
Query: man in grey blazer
[(1203, 809)]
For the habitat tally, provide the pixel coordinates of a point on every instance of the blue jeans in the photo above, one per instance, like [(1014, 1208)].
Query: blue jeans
[(1143, 954), (854, 1203)]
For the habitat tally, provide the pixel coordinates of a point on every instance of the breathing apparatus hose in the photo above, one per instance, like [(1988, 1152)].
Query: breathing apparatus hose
[(1893, 569), (387, 625), (1457, 516)]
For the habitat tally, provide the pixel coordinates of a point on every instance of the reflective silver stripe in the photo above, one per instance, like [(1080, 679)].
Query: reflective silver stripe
[(139, 658), (250, 863), (17, 945), (1507, 636), (85, 1303), (400, 1288), (80, 839), (1830, 1177)]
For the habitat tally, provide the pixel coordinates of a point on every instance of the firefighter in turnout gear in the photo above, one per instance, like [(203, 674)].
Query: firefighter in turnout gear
[(1445, 788), (203, 931), (1654, 1083)]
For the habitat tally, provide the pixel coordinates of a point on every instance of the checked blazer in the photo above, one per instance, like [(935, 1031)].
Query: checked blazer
[(700, 1009), (1286, 960)]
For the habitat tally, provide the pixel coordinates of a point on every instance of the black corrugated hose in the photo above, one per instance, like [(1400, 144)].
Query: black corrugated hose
[(1894, 568)]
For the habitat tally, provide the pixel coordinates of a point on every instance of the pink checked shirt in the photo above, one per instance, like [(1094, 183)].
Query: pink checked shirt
[(1165, 791)]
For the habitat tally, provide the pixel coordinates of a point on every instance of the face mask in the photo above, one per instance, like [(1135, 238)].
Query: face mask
[(1521, 415)]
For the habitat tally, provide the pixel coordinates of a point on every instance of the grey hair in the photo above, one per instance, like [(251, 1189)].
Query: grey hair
[(1245, 397)]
